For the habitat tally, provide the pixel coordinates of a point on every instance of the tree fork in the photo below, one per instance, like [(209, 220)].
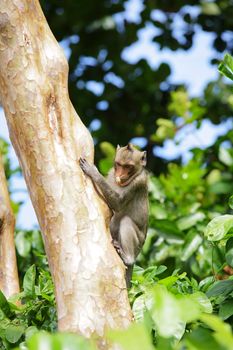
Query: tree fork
[(9, 280), (49, 139)]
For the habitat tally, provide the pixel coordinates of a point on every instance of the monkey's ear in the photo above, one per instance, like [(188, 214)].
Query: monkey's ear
[(143, 158), (130, 147), (118, 147)]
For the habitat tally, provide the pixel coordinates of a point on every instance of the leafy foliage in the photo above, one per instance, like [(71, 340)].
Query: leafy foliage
[(31, 310), (182, 288), (226, 66), (128, 97)]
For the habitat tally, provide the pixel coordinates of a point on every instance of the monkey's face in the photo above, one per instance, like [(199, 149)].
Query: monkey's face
[(129, 162), (123, 173)]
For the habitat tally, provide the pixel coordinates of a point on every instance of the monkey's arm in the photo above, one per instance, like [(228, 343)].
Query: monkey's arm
[(115, 200)]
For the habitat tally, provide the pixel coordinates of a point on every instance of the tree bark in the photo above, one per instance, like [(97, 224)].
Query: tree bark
[(9, 280), (49, 138)]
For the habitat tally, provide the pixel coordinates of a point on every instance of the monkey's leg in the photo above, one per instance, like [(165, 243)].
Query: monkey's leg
[(128, 237), (114, 229)]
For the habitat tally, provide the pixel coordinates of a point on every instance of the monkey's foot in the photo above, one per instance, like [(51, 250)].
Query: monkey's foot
[(117, 246)]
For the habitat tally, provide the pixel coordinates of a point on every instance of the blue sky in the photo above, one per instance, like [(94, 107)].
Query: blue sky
[(190, 67)]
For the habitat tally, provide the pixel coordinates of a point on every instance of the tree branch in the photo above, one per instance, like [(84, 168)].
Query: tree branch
[(9, 281)]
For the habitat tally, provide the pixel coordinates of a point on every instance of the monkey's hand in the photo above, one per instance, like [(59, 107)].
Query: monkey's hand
[(87, 168)]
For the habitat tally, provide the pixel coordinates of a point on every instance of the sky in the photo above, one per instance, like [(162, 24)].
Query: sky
[(190, 67)]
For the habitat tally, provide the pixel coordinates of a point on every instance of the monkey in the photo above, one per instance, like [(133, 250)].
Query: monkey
[(126, 192)]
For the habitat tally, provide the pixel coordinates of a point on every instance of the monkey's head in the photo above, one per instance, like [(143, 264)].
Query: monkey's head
[(129, 162)]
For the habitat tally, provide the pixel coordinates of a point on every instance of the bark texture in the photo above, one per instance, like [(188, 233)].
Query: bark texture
[(49, 138), (9, 281)]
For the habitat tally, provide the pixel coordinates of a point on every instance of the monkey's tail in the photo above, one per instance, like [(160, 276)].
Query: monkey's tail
[(128, 277)]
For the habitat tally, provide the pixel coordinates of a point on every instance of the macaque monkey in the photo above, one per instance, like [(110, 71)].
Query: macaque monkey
[(126, 193)]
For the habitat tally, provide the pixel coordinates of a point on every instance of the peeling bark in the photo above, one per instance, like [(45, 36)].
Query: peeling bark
[(9, 280), (49, 138)]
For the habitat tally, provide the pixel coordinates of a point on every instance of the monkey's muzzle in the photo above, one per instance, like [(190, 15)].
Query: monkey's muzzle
[(122, 181)]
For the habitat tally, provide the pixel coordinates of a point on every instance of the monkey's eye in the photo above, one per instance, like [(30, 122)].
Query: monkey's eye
[(128, 166), (117, 164)]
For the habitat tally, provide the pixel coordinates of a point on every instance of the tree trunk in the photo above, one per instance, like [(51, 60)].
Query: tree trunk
[(49, 138), (9, 280)]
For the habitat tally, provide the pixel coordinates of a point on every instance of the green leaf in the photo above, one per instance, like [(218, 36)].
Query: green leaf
[(139, 308), (4, 305), (230, 202), (13, 333), (164, 132), (225, 71), (202, 339), (226, 309), (153, 271), (168, 281), (192, 243), (157, 211), (220, 288), (223, 333), (203, 301), (226, 66), (228, 63), (136, 337), (23, 245), (210, 8), (29, 281), (165, 343), (167, 228), (2, 315), (190, 220), (170, 312), (165, 122), (218, 227), (156, 189), (180, 103), (225, 156), (105, 165), (41, 341), (22, 346), (3, 326), (30, 331), (221, 187), (214, 177), (229, 251), (166, 129), (108, 149), (206, 283), (66, 341), (160, 270), (37, 242)]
